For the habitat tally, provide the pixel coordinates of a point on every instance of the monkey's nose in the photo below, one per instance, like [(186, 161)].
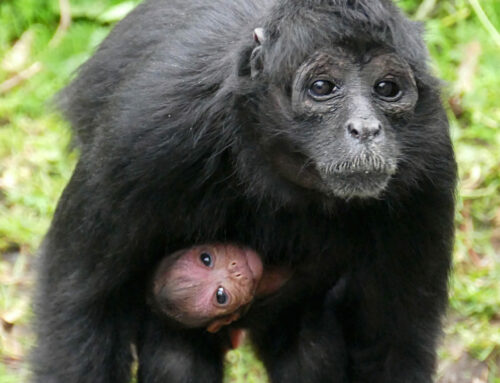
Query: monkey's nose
[(362, 129), (235, 269)]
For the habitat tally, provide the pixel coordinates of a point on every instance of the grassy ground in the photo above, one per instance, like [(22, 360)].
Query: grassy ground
[(40, 47)]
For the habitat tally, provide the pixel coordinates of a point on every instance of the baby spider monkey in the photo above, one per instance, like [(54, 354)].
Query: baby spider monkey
[(211, 286)]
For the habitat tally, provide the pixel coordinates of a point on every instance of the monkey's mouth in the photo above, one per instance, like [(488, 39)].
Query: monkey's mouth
[(361, 177), (365, 174)]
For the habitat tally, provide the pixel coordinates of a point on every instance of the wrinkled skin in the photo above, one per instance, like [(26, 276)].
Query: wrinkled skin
[(351, 146)]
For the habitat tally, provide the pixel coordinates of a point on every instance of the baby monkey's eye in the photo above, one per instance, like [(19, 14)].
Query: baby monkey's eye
[(221, 296), (206, 259)]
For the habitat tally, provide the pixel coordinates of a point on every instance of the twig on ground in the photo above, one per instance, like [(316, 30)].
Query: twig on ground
[(20, 77), (64, 22)]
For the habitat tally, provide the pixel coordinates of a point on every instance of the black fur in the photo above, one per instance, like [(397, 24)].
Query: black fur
[(173, 115)]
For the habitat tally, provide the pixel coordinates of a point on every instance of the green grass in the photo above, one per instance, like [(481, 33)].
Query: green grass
[(35, 161)]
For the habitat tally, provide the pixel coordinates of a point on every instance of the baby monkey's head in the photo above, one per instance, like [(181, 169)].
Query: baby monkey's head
[(207, 286)]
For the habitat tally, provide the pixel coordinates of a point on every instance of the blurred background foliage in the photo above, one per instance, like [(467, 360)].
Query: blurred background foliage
[(42, 43)]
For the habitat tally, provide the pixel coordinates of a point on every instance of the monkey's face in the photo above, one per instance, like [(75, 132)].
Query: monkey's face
[(210, 285), (337, 130)]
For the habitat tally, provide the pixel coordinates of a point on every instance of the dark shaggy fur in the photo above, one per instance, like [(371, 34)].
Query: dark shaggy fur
[(173, 115)]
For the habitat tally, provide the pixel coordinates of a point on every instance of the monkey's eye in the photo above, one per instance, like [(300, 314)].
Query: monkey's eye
[(388, 90), (206, 259), (322, 89), (221, 296)]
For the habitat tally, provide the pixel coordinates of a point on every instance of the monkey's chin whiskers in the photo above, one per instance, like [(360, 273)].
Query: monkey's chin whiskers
[(361, 164), (363, 176)]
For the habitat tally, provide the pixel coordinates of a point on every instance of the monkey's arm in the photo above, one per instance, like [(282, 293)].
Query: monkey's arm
[(395, 302)]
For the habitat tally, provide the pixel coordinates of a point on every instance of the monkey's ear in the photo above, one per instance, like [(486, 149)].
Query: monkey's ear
[(256, 61), (259, 35), (251, 63)]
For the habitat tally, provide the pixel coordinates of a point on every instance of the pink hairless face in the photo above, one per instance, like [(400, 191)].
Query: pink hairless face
[(212, 281)]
